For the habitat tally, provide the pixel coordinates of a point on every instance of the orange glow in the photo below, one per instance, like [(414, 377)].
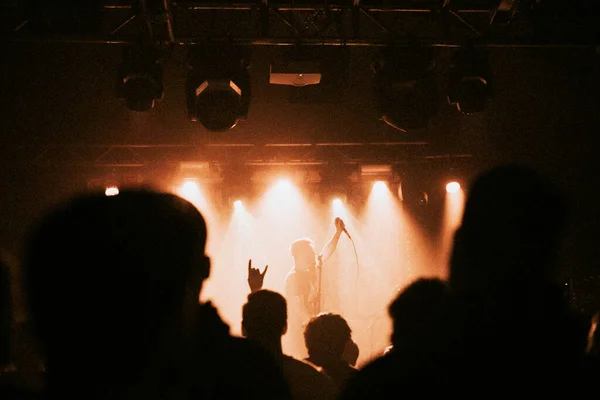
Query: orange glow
[(379, 188), (338, 208), (282, 198), (453, 209), (283, 186), (189, 190), (192, 192), (111, 191), (453, 187), (391, 250)]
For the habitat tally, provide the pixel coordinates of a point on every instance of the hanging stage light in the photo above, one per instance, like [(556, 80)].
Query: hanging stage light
[(470, 80), (405, 87), (139, 81), (218, 87)]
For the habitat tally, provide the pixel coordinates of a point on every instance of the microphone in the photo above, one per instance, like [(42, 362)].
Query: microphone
[(347, 234), (339, 220)]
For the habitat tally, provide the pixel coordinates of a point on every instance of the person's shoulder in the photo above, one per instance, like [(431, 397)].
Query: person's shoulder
[(244, 348), (377, 364), (374, 378), (308, 378), (290, 280), (300, 364), (306, 369), (291, 274), (251, 371)]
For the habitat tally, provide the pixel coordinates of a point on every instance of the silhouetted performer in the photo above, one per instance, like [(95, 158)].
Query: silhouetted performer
[(302, 284), (114, 283), (304, 281)]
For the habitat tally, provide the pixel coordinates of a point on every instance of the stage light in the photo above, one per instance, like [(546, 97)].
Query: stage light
[(332, 194), (111, 191), (504, 12), (423, 199), (218, 88), (378, 174), (379, 187), (338, 208), (283, 183), (453, 209), (111, 187), (452, 187), (139, 80), (283, 186), (376, 170), (238, 204), (189, 189), (405, 87), (469, 86), (400, 192)]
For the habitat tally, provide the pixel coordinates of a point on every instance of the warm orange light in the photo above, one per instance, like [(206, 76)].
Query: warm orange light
[(379, 188), (338, 208), (189, 189), (452, 187), (453, 209), (283, 186), (111, 191), (282, 192)]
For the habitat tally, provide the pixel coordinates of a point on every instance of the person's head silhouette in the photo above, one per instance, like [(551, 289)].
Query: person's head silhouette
[(326, 336), (304, 254), (513, 221), (264, 316), (418, 313), (113, 285)]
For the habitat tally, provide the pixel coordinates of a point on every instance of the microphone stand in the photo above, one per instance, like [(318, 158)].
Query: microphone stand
[(320, 276)]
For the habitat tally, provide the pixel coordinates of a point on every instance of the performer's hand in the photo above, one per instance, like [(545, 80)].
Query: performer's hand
[(255, 277), (339, 225)]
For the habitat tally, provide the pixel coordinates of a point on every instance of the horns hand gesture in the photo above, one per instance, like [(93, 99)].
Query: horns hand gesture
[(255, 277)]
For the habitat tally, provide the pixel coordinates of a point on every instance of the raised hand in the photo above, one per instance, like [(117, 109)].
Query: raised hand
[(339, 225), (255, 277)]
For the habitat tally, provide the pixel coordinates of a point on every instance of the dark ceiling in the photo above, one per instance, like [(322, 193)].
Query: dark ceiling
[(338, 118)]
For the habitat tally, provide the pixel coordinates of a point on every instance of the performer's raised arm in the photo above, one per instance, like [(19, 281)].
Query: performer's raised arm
[(331, 245)]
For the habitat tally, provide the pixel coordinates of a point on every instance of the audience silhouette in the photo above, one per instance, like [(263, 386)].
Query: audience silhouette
[(21, 370), (114, 285), (264, 321), (510, 328), (6, 316), (420, 316), (351, 352), (327, 336)]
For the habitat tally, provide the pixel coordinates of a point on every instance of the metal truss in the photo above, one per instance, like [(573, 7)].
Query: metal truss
[(224, 154), (340, 23)]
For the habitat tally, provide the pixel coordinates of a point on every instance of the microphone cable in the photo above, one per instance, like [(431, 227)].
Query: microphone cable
[(355, 256)]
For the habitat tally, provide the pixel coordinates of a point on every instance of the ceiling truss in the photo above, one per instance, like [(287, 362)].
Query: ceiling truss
[(252, 155), (263, 22)]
